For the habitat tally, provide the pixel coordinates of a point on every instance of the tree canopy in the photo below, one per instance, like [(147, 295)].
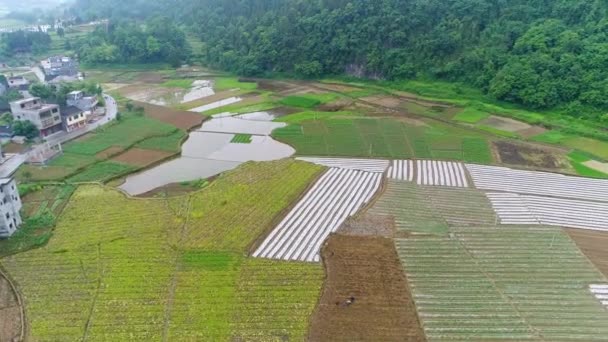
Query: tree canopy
[(538, 53)]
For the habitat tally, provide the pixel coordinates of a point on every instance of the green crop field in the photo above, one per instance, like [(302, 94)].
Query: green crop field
[(471, 115), (428, 209), (241, 139), (300, 101), (386, 138), (315, 115), (139, 270), (169, 143), (524, 284), (130, 130), (102, 172), (227, 83)]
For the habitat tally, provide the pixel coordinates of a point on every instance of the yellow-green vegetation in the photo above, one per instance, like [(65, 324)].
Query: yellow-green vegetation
[(241, 139), (592, 146), (578, 158), (315, 115), (122, 269), (177, 83), (231, 213)]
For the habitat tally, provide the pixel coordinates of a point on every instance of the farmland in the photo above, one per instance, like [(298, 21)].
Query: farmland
[(511, 283), (190, 284)]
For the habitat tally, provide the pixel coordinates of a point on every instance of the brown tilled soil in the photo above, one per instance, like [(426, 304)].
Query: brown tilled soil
[(593, 244), (384, 101), (368, 269), (335, 105), (532, 131), (108, 152), (369, 225), (141, 157), (150, 77), (10, 313), (179, 118), (523, 155), (13, 148)]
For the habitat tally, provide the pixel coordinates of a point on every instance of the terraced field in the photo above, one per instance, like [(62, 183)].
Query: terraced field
[(173, 269), (427, 209), (524, 284)]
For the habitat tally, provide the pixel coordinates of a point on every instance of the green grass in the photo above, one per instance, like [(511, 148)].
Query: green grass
[(101, 172), (314, 115), (170, 143), (598, 149), (177, 83), (300, 101), (241, 139), (550, 137), (471, 115), (72, 160), (130, 130), (577, 158), (385, 138), (228, 83)]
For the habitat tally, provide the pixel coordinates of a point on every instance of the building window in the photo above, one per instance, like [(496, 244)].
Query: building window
[(54, 110), (7, 216), (11, 225), (22, 105)]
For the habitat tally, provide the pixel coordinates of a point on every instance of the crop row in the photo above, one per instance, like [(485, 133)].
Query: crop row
[(367, 165), (494, 178), (528, 283), (335, 197), (525, 209)]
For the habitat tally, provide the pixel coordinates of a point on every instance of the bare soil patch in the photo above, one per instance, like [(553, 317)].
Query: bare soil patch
[(13, 148), (336, 87), (505, 124), (414, 98), (596, 165), (109, 152), (10, 312), (368, 269), (532, 131), (384, 101), (150, 77), (335, 105), (274, 86), (141, 157), (593, 244), (179, 118), (524, 155), (369, 225)]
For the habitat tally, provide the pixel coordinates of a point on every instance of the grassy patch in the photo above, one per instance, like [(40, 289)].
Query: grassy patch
[(228, 83), (550, 137), (471, 115), (169, 143), (178, 83), (595, 147), (577, 158), (72, 160), (101, 172), (314, 115), (126, 132), (386, 138), (300, 101), (241, 139)]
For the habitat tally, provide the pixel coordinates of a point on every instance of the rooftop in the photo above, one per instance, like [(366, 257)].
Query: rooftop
[(70, 110)]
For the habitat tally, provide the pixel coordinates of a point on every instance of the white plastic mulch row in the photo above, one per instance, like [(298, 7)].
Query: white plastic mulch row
[(429, 172), (368, 165), (402, 170), (496, 178), (526, 209), (335, 197), (601, 293)]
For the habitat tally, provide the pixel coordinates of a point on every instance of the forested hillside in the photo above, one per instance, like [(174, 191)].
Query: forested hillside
[(539, 53)]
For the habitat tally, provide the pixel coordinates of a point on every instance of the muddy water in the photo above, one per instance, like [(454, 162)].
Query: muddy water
[(208, 152), (167, 97)]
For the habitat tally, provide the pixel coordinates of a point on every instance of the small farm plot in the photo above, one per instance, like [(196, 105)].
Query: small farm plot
[(367, 165), (427, 209), (495, 178), (339, 194), (526, 209), (429, 172), (524, 284), (600, 291)]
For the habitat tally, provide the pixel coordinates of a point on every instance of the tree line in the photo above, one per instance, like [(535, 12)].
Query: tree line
[(538, 53)]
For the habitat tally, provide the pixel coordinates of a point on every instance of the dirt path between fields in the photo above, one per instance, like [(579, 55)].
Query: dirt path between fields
[(12, 316), (368, 269)]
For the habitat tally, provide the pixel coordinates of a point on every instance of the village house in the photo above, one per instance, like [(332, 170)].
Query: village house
[(78, 99), (46, 117), (59, 66), (19, 83), (73, 118), (10, 205)]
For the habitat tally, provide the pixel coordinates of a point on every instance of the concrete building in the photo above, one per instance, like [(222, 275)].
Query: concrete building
[(73, 118), (10, 205), (78, 99), (46, 117), (59, 66)]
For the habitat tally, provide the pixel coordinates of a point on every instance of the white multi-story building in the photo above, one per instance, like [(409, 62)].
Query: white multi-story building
[(10, 205), (46, 117)]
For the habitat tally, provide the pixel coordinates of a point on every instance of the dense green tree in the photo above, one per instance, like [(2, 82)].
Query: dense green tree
[(26, 129)]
